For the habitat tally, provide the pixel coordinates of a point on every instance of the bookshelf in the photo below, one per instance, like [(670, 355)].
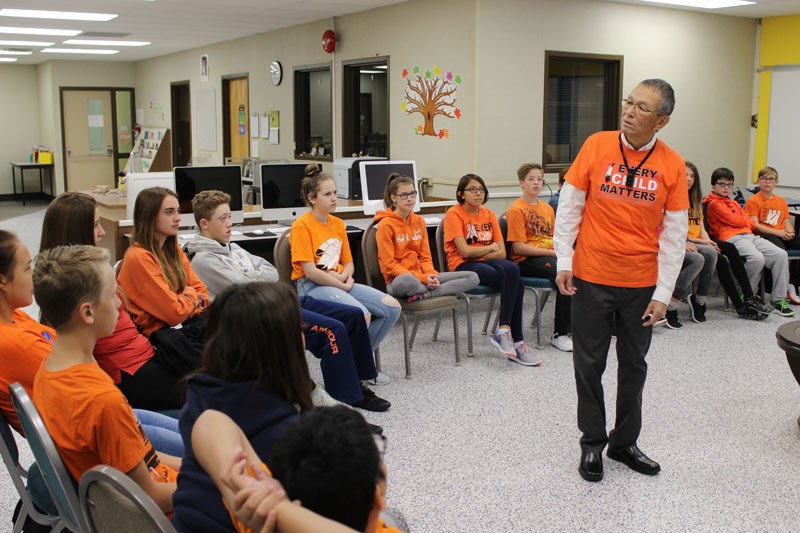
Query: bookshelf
[(152, 150)]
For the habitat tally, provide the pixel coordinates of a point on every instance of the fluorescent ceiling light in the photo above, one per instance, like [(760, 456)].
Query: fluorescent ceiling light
[(382, 66), (79, 51), (373, 72), (25, 43), (57, 15), (15, 53), (7, 59), (704, 4), (89, 42), (39, 31)]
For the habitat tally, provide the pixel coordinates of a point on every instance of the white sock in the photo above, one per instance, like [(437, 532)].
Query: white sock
[(502, 331)]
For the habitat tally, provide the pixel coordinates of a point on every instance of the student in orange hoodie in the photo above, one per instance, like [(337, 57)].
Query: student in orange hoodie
[(403, 250)]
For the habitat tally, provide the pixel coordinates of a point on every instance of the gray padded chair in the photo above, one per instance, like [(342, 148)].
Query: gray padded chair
[(112, 502), (438, 305), (283, 257)]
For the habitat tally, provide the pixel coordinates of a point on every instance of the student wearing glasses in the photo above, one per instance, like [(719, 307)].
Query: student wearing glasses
[(404, 253), (770, 212), (473, 243), (727, 221)]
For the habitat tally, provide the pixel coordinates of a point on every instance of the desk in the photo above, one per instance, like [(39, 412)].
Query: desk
[(23, 166)]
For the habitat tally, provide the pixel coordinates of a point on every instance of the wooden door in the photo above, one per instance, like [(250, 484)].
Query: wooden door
[(88, 139), (238, 111)]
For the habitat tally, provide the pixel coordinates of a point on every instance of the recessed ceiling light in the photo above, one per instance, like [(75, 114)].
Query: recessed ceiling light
[(7, 59), (705, 4), (25, 43), (89, 42), (15, 52), (58, 15), (79, 51), (39, 31)]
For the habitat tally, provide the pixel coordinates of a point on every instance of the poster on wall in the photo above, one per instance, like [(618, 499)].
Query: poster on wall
[(432, 94), (204, 68)]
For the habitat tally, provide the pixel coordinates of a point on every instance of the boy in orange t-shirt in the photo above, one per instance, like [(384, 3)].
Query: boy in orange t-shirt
[(530, 234), (88, 418), (770, 212)]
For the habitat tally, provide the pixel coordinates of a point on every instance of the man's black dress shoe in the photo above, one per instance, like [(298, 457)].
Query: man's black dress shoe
[(591, 468), (635, 459)]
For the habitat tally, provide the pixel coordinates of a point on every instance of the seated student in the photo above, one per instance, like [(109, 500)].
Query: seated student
[(88, 418), (258, 376), (329, 460), (24, 343), (561, 180), (161, 288), (323, 265), (334, 332), (145, 376), (403, 250), (530, 233), (727, 221), (473, 243), (770, 212)]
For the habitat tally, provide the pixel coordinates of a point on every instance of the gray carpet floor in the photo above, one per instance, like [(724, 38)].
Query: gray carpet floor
[(492, 446)]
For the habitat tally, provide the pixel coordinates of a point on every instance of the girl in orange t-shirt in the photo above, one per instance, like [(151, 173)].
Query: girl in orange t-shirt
[(473, 243), (323, 265)]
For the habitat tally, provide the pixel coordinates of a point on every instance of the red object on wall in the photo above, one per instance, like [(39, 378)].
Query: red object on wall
[(329, 41)]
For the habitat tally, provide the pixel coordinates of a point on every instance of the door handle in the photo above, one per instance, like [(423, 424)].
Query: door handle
[(69, 152), (109, 151)]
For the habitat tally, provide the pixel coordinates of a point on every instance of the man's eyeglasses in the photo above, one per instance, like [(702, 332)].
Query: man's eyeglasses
[(407, 195), (475, 190), (768, 180), (725, 184), (639, 108)]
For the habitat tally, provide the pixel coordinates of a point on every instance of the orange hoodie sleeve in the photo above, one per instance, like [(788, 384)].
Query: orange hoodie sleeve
[(390, 266), (730, 213), (195, 288)]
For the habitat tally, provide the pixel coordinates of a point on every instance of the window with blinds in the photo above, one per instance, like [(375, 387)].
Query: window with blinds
[(582, 96)]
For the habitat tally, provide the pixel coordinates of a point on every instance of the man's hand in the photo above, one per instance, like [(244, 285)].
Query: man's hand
[(564, 283), (654, 312)]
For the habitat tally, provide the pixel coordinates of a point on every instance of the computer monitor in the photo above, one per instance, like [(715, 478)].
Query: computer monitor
[(136, 182), (281, 199), (375, 174), (191, 180)]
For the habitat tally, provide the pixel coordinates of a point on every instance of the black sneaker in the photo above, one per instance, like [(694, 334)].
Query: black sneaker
[(749, 313), (372, 402), (672, 319), (756, 304), (698, 310)]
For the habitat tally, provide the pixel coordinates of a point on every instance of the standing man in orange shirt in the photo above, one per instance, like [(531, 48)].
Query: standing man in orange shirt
[(626, 199)]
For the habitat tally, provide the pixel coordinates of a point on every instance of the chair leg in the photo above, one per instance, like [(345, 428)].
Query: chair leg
[(378, 359), (489, 315), (405, 346), (470, 353), (413, 333), (455, 335), (436, 329), (538, 319)]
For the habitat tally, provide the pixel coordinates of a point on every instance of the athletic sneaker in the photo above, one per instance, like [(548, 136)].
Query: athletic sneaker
[(698, 310), (377, 381), (749, 313), (321, 398), (523, 355), (755, 303), (562, 341), (792, 296), (782, 308), (672, 319), (502, 341), (372, 402), (421, 296)]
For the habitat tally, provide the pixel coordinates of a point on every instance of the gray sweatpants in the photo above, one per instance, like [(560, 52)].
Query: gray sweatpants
[(407, 284), (757, 253)]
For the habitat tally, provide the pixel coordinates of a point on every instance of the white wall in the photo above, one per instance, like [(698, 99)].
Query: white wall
[(19, 121)]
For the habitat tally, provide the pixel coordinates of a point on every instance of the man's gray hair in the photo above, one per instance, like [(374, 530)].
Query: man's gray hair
[(667, 104)]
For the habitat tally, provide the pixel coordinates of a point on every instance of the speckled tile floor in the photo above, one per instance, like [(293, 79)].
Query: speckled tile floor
[(491, 446)]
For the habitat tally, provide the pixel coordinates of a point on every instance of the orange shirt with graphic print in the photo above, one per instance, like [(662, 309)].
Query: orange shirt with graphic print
[(325, 245), (772, 212), (480, 229), (694, 224), (531, 224), (621, 225), (91, 422)]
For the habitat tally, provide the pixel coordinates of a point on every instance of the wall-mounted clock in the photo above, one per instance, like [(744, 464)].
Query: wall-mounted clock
[(275, 72)]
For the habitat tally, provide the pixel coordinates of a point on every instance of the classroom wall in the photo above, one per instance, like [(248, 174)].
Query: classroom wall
[(19, 121)]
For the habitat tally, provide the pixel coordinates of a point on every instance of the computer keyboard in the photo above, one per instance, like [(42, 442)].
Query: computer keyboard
[(432, 220)]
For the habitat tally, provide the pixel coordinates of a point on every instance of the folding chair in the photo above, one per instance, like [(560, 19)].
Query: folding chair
[(438, 305), (283, 257)]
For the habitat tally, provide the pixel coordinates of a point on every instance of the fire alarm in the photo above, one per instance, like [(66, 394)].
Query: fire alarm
[(329, 41)]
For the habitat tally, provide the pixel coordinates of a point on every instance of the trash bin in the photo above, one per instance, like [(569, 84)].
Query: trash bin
[(788, 336)]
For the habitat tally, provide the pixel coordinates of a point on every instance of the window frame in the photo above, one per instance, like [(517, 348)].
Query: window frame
[(302, 114), (349, 124)]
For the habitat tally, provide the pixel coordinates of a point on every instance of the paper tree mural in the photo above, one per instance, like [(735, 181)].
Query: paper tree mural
[(431, 94)]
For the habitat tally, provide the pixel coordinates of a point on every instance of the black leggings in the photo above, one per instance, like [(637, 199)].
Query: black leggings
[(503, 275), (733, 267)]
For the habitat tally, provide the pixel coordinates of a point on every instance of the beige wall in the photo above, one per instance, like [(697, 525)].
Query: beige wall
[(19, 120)]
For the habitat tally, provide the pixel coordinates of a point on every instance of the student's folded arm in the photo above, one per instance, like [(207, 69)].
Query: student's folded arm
[(389, 264), (469, 252), (214, 272), (568, 220), (737, 218), (158, 300), (500, 253), (320, 277), (529, 250), (264, 270)]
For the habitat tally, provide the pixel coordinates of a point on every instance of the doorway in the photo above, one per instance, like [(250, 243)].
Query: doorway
[(97, 135), (235, 117), (365, 110), (181, 124)]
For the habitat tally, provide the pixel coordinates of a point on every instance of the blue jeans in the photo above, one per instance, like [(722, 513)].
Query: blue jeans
[(162, 431), (369, 300)]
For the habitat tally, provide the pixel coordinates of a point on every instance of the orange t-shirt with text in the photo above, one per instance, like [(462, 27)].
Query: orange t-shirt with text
[(772, 212), (480, 229), (91, 422), (618, 236), (694, 223), (325, 245), (531, 224)]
